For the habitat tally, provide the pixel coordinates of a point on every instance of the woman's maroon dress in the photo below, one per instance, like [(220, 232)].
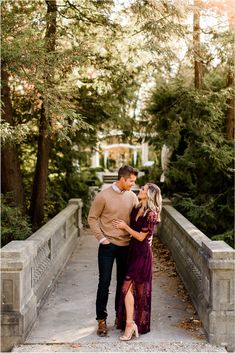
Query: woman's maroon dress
[(139, 273)]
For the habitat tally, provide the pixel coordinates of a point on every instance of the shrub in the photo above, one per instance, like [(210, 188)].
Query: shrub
[(151, 175), (63, 187), (14, 225)]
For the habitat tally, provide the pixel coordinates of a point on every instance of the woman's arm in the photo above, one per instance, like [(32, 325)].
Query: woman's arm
[(117, 223)]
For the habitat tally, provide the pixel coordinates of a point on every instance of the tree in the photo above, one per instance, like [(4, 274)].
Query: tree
[(11, 177), (200, 173), (44, 139), (230, 5), (198, 66), (189, 110), (50, 60)]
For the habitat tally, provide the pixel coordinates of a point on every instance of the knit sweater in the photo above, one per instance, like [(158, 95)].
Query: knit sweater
[(109, 205)]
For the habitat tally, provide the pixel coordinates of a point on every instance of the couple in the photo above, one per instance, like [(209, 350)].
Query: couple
[(124, 224)]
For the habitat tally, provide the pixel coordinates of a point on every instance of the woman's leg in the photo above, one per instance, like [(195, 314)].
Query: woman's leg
[(130, 324), (129, 305)]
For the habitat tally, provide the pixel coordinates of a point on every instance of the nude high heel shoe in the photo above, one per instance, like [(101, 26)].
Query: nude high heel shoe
[(134, 331)]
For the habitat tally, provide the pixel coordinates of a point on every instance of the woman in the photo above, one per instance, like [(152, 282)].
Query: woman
[(134, 310)]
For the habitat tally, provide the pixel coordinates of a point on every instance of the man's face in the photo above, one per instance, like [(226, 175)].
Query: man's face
[(127, 183)]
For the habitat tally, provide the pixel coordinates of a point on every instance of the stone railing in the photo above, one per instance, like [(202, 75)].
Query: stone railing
[(207, 270), (29, 268)]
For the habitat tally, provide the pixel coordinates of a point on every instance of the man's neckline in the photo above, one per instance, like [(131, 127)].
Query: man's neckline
[(116, 188)]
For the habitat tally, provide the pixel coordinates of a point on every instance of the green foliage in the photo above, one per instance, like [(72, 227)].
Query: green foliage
[(200, 173), (14, 226), (228, 237), (99, 70), (62, 187), (151, 175), (13, 134), (88, 176), (209, 213)]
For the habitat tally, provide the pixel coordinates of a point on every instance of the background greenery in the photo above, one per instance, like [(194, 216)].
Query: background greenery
[(73, 71)]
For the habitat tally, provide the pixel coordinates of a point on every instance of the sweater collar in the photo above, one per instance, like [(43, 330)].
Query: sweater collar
[(116, 188)]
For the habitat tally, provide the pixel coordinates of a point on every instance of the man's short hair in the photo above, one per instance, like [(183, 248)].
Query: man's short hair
[(126, 171)]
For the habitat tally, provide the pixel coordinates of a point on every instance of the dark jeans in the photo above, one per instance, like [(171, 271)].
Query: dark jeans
[(106, 256)]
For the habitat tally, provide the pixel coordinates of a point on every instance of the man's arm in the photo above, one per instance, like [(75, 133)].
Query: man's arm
[(94, 215)]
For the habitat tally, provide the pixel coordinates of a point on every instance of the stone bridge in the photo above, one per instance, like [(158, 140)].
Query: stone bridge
[(49, 282)]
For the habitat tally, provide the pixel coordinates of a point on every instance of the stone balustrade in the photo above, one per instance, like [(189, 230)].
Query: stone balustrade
[(29, 269), (207, 270)]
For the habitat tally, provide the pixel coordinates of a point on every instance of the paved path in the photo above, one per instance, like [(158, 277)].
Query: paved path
[(67, 321)]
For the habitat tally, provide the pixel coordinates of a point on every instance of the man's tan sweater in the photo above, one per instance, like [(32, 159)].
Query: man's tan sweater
[(108, 205)]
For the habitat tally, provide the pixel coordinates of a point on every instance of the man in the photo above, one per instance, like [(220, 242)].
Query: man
[(115, 202)]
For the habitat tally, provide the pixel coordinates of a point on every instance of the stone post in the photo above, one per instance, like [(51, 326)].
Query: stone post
[(218, 263), (18, 301), (79, 203)]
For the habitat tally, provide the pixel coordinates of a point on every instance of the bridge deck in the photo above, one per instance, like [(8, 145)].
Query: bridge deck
[(67, 321)]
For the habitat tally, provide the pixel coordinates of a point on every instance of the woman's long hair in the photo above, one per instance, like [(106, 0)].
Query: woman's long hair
[(154, 200)]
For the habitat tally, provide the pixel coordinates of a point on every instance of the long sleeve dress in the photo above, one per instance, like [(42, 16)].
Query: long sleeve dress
[(139, 273)]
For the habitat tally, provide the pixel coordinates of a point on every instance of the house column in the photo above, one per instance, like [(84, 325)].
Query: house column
[(95, 159), (134, 157), (166, 153), (106, 155), (145, 151)]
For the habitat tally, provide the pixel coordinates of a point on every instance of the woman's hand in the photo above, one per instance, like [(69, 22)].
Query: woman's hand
[(118, 223)]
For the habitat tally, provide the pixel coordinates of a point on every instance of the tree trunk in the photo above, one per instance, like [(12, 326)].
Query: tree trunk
[(11, 177), (41, 174), (231, 80), (44, 141), (198, 65)]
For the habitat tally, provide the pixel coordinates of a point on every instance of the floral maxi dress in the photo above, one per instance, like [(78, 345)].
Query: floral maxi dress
[(139, 273)]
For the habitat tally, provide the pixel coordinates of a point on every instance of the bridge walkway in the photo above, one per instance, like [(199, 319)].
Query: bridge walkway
[(67, 322)]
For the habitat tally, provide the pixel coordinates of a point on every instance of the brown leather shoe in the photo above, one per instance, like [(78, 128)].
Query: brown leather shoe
[(102, 328)]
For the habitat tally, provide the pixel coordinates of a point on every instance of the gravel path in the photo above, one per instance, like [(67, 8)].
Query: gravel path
[(179, 347)]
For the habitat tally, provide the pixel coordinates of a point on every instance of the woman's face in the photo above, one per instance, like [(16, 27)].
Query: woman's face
[(143, 192)]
